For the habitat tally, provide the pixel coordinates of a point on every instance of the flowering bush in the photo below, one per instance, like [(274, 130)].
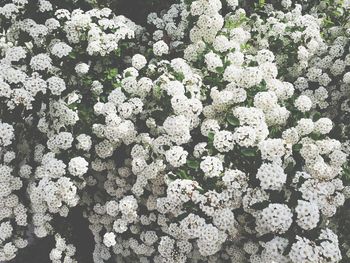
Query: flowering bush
[(216, 132)]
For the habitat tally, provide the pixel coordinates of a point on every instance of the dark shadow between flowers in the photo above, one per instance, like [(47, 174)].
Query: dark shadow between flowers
[(74, 228)]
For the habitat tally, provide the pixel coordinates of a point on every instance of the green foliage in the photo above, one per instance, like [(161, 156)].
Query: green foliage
[(182, 174), (232, 23), (297, 147), (346, 172), (248, 152), (193, 164), (232, 120), (261, 3), (111, 73)]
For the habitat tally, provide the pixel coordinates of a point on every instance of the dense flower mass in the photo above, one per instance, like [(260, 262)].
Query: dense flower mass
[(218, 132)]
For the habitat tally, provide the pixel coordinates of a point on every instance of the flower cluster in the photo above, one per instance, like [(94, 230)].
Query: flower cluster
[(43, 156), (216, 135), (63, 252)]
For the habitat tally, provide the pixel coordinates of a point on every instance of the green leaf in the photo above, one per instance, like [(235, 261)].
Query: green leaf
[(316, 116), (210, 136), (230, 24), (200, 190), (232, 120), (289, 168), (194, 164), (179, 76), (116, 85), (262, 86), (245, 46), (250, 102), (172, 176), (181, 216), (261, 3), (220, 70), (297, 147), (157, 92), (72, 55), (274, 131), (182, 174), (117, 52), (260, 205), (346, 171), (73, 106), (248, 152), (315, 136), (112, 73), (233, 23)]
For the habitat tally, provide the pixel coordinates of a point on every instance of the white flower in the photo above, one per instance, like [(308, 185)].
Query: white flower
[(222, 44), (224, 219), (128, 206), (303, 103), (84, 142), (223, 141), (112, 208), (265, 100), (213, 61), (82, 68), (109, 239), (178, 128), (6, 134), (62, 141), (15, 54), (176, 156), (271, 176), (307, 214), (5, 230), (160, 48), (138, 61), (245, 136), (276, 218), (61, 49), (5, 89), (41, 62), (78, 166), (323, 125), (346, 78), (305, 126), (272, 149), (56, 85), (304, 250), (211, 166)]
